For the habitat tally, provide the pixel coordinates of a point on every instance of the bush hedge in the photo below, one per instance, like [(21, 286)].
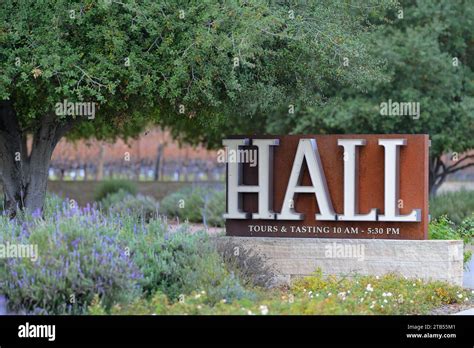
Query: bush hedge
[(457, 206), (123, 203), (196, 204), (113, 186)]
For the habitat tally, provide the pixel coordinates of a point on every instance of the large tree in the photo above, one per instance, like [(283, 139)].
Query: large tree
[(202, 68), (428, 47)]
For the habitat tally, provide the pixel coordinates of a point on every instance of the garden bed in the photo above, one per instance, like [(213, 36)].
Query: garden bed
[(94, 262)]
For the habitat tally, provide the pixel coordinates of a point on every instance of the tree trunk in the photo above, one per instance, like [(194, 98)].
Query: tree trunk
[(11, 155), (86, 171), (100, 165), (162, 169), (437, 175), (25, 176), (158, 162)]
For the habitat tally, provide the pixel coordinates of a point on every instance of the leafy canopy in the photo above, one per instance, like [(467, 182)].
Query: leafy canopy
[(226, 65), (420, 50)]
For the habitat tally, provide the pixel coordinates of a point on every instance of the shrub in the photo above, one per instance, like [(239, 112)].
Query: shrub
[(186, 204), (78, 256), (178, 263), (196, 204), (444, 228), (456, 205), (123, 203), (251, 267), (112, 257), (215, 209), (112, 186)]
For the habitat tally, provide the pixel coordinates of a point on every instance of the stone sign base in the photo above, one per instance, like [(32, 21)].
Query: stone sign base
[(296, 257)]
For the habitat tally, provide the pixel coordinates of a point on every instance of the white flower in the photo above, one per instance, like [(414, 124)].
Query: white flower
[(223, 300), (385, 301), (369, 288), (377, 277), (197, 296), (387, 294), (371, 306), (460, 295), (263, 309), (199, 307), (249, 312)]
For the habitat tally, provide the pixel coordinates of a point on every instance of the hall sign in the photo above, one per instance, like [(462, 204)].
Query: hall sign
[(327, 186)]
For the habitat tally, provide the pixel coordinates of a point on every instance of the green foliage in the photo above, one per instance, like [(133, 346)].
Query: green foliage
[(196, 204), (123, 203), (214, 208), (314, 295), (223, 61), (178, 263), (115, 256), (52, 204), (113, 186), (456, 205), (444, 228), (419, 51), (76, 258), (388, 294)]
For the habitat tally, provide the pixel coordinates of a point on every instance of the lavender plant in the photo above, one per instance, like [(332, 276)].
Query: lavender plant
[(79, 255), (84, 254)]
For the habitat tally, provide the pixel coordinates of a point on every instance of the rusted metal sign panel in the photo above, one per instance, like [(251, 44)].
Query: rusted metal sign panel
[(328, 186)]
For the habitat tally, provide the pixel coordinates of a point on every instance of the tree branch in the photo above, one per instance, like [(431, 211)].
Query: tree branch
[(460, 168), (457, 163)]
